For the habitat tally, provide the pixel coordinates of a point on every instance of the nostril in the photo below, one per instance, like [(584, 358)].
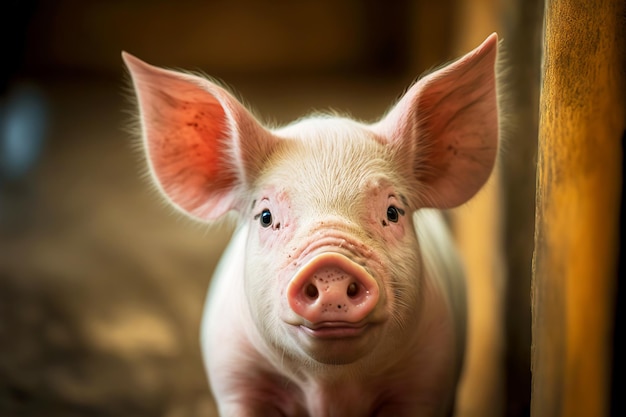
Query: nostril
[(353, 290), (331, 287), (311, 291)]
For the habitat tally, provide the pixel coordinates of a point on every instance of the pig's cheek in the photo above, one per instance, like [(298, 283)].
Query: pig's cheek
[(398, 230), (275, 238), (393, 234), (273, 250)]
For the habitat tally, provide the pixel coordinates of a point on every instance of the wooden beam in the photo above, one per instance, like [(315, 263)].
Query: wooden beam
[(582, 120)]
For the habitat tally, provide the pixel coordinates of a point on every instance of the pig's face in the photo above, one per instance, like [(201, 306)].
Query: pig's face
[(332, 265)]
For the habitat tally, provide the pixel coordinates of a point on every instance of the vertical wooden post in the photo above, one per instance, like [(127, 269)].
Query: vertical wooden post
[(522, 34), (582, 120)]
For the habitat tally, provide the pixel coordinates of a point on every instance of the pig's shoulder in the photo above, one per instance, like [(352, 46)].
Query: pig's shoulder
[(436, 241), (442, 264)]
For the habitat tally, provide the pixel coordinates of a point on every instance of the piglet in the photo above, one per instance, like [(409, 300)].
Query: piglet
[(340, 293)]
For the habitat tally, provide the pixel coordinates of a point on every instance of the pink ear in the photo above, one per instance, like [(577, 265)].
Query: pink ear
[(203, 147), (447, 125)]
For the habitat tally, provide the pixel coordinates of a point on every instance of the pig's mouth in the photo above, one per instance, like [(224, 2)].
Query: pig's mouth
[(337, 343), (335, 330)]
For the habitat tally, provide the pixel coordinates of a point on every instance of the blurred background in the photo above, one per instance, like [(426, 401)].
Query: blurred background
[(102, 285)]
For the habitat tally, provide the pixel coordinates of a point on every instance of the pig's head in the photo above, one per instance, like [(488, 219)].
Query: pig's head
[(332, 263)]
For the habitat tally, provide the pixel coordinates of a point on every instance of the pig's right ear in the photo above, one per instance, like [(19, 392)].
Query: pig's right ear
[(203, 147), (445, 129)]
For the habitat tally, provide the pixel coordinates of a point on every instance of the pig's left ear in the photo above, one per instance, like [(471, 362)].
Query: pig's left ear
[(445, 128), (203, 147)]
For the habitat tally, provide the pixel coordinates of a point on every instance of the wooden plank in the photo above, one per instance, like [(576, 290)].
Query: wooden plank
[(582, 119)]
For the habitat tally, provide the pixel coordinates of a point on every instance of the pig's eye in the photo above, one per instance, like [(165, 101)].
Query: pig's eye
[(394, 213), (265, 218)]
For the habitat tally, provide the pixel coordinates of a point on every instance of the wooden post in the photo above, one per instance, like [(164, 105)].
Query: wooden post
[(582, 120), (522, 37)]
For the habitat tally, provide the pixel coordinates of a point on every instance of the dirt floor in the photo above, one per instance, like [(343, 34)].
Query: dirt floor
[(101, 284)]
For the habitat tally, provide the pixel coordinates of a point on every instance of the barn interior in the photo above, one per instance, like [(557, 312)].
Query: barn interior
[(102, 285)]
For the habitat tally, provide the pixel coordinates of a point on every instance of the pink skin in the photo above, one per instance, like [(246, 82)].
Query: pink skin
[(338, 295), (298, 256), (333, 295)]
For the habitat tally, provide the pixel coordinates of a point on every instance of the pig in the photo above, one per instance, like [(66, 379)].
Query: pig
[(340, 292)]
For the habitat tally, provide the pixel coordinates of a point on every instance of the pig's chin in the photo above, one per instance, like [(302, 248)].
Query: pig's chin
[(336, 343)]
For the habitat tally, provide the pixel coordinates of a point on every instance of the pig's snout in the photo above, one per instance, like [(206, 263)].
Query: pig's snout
[(332, 288)]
